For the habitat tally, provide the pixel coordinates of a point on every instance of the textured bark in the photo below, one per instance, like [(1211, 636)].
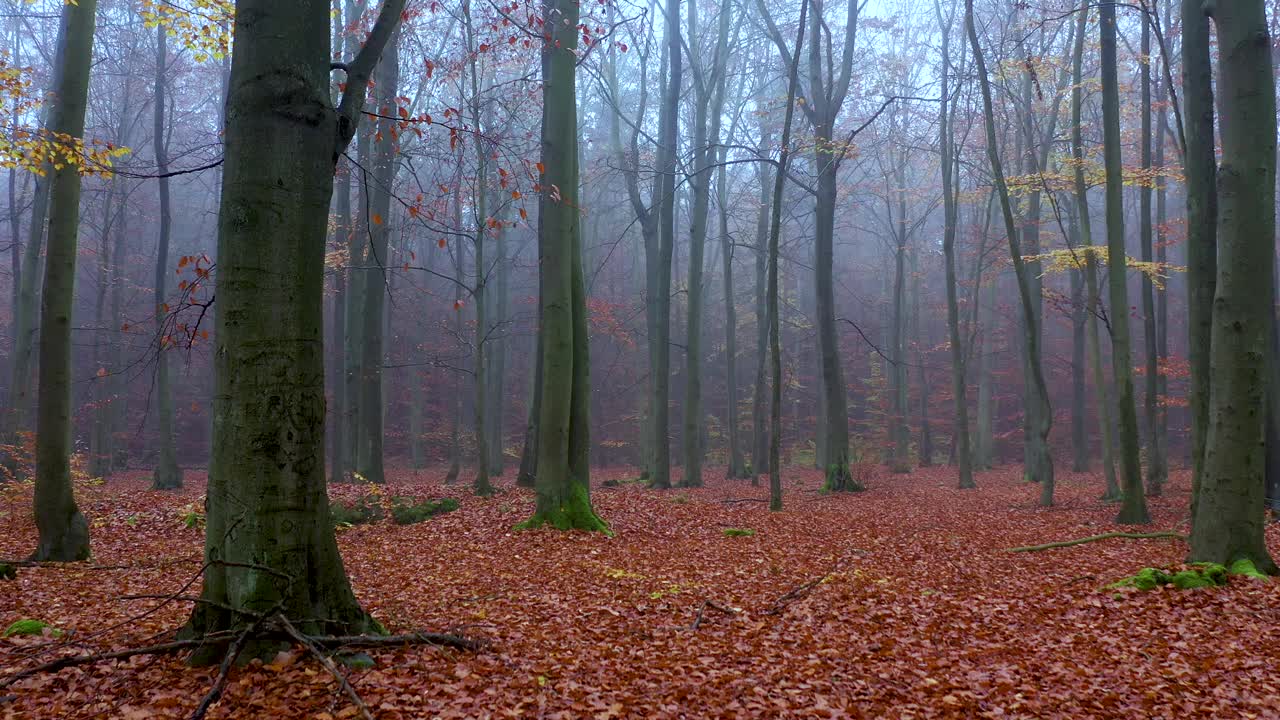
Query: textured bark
[(64, 532), (1201, 219), (269, 539), (167, 475), (1041, 469), (1231, 494), (563, 483), (1133, 509)]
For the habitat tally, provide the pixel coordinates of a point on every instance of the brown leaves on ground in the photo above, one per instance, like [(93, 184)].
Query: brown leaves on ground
[(898, 602)]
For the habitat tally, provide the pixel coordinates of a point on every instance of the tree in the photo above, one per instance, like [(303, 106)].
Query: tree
[(824, 98), (1156, 469), (1230, 498), (1133, 509), (950, 177), (1085, 226), (269, 541), (1202, 226), (64, 532), (563, 482), (775, 231), (1041, 470), (167, 474)]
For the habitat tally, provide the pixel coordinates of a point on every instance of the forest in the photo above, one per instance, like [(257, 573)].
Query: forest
[(639, 359)]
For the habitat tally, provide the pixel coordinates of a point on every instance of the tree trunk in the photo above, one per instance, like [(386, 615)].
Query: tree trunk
[(1232, 493), (1041, 469), (64, 532), (950, 176), (759, 403), (167, 474), (1202, 217), (1133, 510), (1156, 470), (269, 540), (563, 483), (1085, 223)]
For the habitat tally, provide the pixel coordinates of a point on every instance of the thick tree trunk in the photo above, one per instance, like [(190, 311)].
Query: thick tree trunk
[(1232, 493), (167, 474), (269, 542), (1133, 509), (563, 483), (64, 532)]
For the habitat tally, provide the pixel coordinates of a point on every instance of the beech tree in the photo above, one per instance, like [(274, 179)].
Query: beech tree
[(269, 539), (64, 531)]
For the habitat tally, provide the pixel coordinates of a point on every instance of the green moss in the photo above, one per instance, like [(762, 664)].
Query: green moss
[(573, 513), (31, 627), (739, 532), (404, 511), (1196, 576), (1245, 567), (363, 511), (681, 499), (1187, 579)]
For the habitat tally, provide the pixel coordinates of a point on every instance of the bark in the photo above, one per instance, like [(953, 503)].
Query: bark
[(1041, 469), (759, 403), (1093, 307), (167, 474), (563, 483), (1133, 509), (775, 231), (1230, 519), (480, 485), (737, 463), (899, 432), (64, 532), (1201, 217), (269, 539), (1156, 470), (376, 184), (950, 213)]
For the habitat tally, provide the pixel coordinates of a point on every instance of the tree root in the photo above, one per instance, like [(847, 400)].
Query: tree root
[(1168, 535)]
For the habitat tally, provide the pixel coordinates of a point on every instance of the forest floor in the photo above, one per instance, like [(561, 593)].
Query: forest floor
[(899, 602)]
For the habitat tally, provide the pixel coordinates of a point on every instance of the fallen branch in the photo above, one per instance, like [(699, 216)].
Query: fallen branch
[(416, 638), (697, 620), (733, 501), (328, 664), (224, 672), (62, 663), (1094, 538)]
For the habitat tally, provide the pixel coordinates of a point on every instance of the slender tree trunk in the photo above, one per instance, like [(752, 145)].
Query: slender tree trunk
[(759, 403), (1134, 505), (1093, 305), (167, 474), (1042, 467), (737, 464), (1202, 230), (64, 532), (899, 432), (1156, 470), (949, 154), (1231, 505)]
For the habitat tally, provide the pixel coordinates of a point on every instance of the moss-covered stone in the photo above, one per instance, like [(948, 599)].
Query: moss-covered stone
[(31, 627), (739, 532), (1246, 567), (363, 511), (1196, 576)]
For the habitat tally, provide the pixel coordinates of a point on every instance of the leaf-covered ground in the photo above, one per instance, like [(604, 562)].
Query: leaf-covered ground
[(898, 602)]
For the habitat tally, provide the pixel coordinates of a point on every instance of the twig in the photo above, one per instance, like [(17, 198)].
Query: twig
[(224, 671), (1095, 538), (75, 660), (733, 501), (328, 664), (697, 620)]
